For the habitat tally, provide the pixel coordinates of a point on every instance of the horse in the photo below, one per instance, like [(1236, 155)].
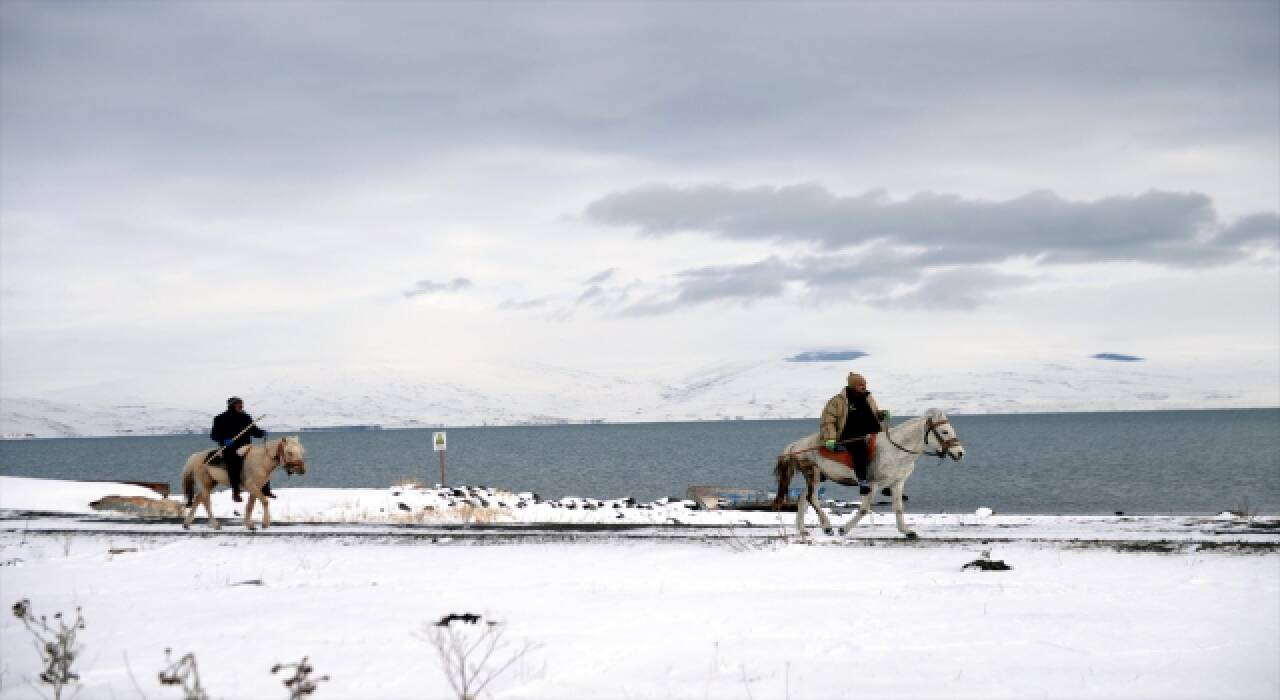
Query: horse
[(894, 460), (259, 461)]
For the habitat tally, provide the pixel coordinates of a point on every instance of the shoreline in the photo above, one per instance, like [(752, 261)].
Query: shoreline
[(592, 422)]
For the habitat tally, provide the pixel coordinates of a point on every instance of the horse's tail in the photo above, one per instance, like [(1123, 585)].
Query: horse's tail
[(784, 470), (189, 483)]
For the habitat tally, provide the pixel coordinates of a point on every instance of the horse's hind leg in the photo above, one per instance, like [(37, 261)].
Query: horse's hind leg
[(801, 504), (811, 494), (206, 498)]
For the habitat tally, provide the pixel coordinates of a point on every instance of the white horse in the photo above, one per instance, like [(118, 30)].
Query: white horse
[(894, 460), (259, 461)]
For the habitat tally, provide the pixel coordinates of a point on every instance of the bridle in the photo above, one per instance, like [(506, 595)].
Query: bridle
[(291, 467), (930, 428)]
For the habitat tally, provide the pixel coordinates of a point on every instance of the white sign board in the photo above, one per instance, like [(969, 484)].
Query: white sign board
[(437, 441)]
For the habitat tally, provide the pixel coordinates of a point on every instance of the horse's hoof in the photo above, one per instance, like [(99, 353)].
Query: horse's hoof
[(911, 535), (186, 526), (828, 531)]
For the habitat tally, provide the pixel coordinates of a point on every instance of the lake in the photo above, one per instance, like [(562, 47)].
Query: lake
[(1175, 462)]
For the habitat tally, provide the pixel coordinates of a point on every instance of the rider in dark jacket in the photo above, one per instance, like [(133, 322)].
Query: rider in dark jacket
[(226, 427)]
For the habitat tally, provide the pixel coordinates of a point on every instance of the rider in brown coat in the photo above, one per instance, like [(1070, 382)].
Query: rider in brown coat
[(850, 420)]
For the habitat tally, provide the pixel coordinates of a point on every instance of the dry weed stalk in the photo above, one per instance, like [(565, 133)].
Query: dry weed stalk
[(57, 647), (183, 672), (301, 684), (473, 656)]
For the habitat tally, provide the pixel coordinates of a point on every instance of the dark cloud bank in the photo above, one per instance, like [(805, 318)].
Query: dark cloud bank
[(928, 249)]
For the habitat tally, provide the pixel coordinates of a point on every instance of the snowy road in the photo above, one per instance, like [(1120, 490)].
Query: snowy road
[(1122, 533)]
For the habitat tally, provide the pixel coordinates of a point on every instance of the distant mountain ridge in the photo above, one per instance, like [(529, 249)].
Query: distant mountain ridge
[(531, 393)]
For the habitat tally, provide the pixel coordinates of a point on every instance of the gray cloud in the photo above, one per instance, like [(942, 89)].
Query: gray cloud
[(1116, 357), (957, 289), (422, 287), (335, 85), (1249, 230), (601, 277), (523, 305), (878, 277), (742, 283), (1157, 227)]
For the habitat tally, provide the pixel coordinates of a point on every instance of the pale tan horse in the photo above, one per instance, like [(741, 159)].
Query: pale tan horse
[(259, 461), (894, 461)]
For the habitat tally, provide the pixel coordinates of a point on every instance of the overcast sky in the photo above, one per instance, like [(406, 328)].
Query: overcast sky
[(194, 186)]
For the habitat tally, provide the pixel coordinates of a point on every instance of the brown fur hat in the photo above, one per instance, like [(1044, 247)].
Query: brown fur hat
[(855, 379)]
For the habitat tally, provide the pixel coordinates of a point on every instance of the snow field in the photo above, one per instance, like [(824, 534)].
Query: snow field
[(653, 619)]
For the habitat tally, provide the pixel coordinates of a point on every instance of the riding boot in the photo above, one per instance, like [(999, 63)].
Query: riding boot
[(860, 464), (234, 467), (266, 490)]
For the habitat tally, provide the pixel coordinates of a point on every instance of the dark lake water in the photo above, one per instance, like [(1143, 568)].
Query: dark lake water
[(1176, 462)]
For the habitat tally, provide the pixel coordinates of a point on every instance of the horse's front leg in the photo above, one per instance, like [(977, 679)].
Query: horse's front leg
[(248, 510), (863, 509), (896, 489)]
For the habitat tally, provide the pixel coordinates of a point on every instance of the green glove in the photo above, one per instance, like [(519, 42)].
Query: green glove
[(831, 444), (884, 416)]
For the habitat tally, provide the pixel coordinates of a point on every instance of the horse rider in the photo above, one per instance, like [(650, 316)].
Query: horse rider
[(850, 421), (229, 431)]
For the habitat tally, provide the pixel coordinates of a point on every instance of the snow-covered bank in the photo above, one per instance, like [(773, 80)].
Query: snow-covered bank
[(407, 505)]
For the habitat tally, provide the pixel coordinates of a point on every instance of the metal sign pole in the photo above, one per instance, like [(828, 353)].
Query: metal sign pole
[(438, 444)]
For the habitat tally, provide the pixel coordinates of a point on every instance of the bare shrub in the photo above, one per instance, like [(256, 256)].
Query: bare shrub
[(408, 482), (57, 646), (301, 684), (468, 513), (472, 654), (183, 672)]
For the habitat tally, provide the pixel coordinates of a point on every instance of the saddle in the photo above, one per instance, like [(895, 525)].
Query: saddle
[(845, 457), (214, 460)]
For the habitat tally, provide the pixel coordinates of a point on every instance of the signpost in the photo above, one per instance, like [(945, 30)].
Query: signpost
[(438, 443)]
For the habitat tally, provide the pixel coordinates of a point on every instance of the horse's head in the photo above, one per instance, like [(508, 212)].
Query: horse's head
[(941, 435), (289, 454)]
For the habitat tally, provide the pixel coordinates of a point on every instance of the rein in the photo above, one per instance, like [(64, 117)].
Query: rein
[(929, 427)]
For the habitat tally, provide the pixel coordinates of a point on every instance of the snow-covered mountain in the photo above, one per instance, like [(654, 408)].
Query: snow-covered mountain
[(476, 394)]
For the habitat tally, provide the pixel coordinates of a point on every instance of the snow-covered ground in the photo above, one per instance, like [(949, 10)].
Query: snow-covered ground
[(302, 397), (742, 613)]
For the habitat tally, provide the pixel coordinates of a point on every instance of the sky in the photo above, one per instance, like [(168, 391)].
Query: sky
[(200, 187)]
